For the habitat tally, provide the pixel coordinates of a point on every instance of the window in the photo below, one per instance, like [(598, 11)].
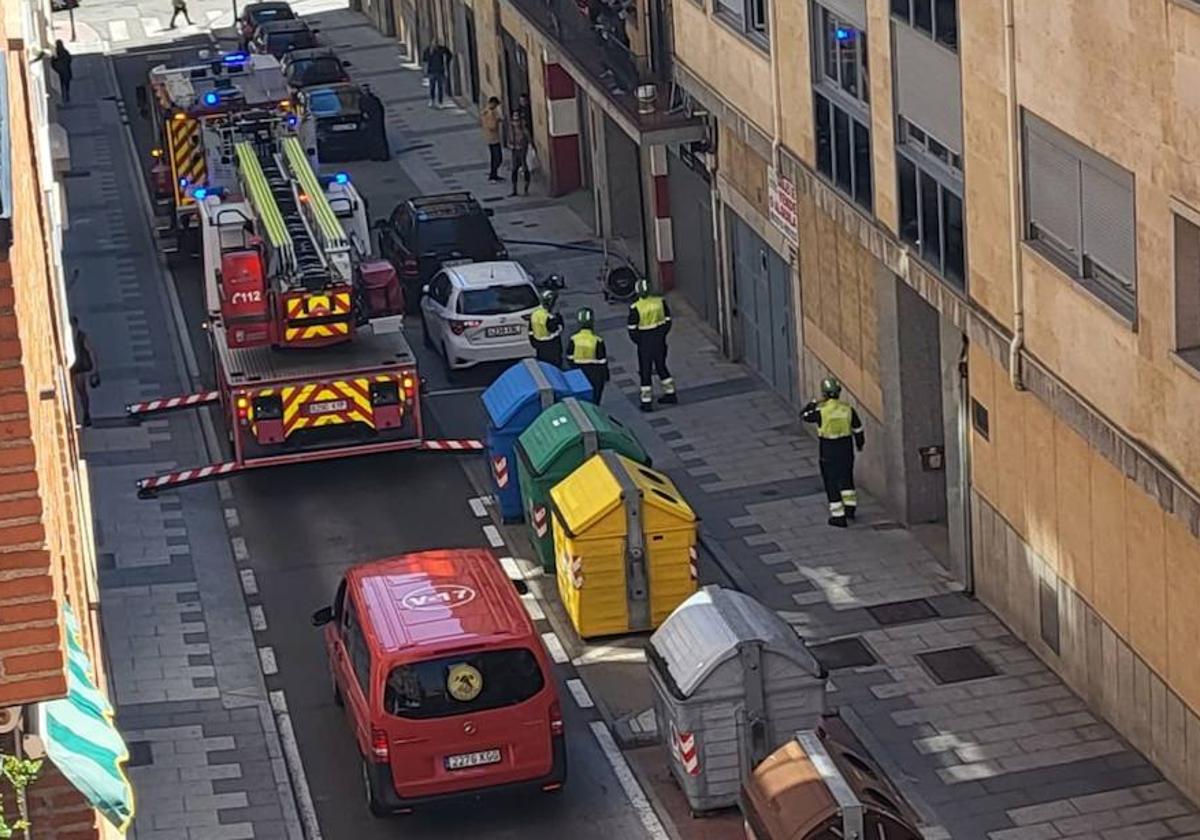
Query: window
[(425, 690), (1187, 290), (749, 17), (843, 55), (842, 156), (356, 646), (497, 300), (936, 18), (842, 102), (931, 209), (1079, 213), (979, 418)]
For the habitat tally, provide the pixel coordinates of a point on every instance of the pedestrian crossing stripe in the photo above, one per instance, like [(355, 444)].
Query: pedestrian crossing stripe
[(118, 30)]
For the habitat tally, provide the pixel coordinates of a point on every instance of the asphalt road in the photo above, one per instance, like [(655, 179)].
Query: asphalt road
[(304, 525)]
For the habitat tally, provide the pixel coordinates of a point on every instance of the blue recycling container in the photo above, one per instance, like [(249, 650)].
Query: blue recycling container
[(513, 402)]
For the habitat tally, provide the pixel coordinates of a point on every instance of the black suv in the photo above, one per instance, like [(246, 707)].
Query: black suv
[(255, 15), (281, 36), (314, 66), (430, 231)]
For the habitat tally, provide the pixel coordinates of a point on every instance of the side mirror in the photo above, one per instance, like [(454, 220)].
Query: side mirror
[(488, 211), (322, 616), (521, 586)]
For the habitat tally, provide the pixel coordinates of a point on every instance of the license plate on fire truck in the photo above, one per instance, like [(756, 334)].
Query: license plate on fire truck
[(326, 407), (474, 759)]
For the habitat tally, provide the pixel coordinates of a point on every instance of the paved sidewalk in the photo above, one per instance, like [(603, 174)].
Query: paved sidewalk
[(205, 756), (1005, 757)]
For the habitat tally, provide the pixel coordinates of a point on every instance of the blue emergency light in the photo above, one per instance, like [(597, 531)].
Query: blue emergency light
[(342, 178), (292, 121), (235, 58), (199, 193), (211, 98), (843, 34), (183, 182)]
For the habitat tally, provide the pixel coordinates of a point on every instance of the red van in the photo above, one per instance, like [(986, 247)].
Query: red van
[(443, 678)]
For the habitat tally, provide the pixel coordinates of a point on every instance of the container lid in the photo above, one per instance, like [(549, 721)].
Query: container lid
[(559, 427), (592, 492), (710, 627), (525, 383)]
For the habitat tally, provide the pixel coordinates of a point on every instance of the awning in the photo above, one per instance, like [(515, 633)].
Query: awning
[(81, 740)]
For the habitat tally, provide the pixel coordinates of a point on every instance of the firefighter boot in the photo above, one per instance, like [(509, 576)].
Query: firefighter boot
[(850, 502), (837, 515), (646, 395), (669, 396)]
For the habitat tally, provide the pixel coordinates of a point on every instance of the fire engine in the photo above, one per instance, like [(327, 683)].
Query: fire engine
[(305, 328), (194, 108)]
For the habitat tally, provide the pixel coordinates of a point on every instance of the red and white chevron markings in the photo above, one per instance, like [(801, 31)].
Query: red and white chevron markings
[(539, 517), (500, 470), (683, 747)]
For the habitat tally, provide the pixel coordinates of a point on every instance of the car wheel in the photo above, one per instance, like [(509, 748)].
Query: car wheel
[(425, 336), (373, 803)]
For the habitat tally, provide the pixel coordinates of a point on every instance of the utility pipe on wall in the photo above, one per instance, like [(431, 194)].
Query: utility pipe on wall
[(1015, 192)]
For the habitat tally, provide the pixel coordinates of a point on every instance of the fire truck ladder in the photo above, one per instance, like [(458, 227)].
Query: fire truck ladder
[(323, 222)]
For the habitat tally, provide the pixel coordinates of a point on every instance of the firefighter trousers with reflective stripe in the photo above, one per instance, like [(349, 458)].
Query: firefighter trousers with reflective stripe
[(837, 472), (597, 375), (652, 358), (548, 350)]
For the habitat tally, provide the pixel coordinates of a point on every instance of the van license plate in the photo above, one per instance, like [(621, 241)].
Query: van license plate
[(475, 759), (511, 329), (326, 407)]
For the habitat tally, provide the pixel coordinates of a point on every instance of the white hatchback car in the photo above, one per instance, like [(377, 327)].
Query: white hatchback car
[(479, 312)]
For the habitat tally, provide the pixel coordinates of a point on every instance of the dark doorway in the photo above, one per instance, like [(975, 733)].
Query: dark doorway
[(472, 58), (516, 70)]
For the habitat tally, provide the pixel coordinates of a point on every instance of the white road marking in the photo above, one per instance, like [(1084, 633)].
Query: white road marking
[(477, 508), (557, 652), (152, 26), (609, 653), (266, 657), (493, 536), (213, 15), (580, 693), (533, 607), (232, 519), (118, 30), (291, 756), (512, 568), (258, 618), (249, 582), (240, 552), (629, 783)]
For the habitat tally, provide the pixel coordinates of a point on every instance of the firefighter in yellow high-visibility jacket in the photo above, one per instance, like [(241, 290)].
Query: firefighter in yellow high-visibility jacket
[(649, 323), (841, 433), (545, 330), (586, 351)]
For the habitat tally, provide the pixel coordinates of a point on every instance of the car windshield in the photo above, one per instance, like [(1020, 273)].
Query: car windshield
[(297, 40), (331, 103), (470, 232), (269, 14), (459, 685), (498, 300), (316, 71)]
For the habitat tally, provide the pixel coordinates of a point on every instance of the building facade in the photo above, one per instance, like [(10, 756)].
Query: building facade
[(48, 592), (984, 219)]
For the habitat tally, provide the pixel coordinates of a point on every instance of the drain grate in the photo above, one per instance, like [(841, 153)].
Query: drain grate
[(140, 754), (955, 665), (902, 612), (844, 653)]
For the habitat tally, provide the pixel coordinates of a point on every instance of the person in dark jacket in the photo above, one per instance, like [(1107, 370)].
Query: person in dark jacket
[(61, 65), (841, 433), (437, 66), (85, 372), (372, 110)]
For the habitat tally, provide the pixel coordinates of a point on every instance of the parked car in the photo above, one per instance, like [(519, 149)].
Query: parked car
[(255, 14), (430, 231), (283, 36), (313, 66), (479, 312), (444, 680), (345, 127)]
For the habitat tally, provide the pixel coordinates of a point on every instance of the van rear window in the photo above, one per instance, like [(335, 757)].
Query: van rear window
[(459, 685)]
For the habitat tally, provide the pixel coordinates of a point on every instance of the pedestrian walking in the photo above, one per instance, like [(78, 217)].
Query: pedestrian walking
[(649, 323), (85, 372), (526, 112), (179, 6), (841, 433), (437, 65), (372, 111), (545, 330), (518, 143), (491, 119), (60, 63), (587, 352)]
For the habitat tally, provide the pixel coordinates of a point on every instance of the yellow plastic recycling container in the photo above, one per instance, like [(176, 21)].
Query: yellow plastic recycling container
[(624, 546)]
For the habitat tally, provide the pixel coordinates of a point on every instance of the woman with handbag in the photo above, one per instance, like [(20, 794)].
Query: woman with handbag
[(85, 372)]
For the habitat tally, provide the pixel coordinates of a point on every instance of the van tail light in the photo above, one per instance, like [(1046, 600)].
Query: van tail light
[(556, 719), (379, 744), (459, 327)]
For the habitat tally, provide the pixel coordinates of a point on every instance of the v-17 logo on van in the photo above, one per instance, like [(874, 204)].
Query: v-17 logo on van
[(439, 596)]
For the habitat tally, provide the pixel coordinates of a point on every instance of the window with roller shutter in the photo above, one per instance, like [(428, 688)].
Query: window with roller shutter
[(1079, 213)]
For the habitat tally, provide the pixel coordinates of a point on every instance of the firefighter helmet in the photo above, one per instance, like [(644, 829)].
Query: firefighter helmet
[(642, 288), (586, 318), (831, 388), (549, 298)]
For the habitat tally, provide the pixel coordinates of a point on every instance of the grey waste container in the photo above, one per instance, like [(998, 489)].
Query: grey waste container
[(732, 683)]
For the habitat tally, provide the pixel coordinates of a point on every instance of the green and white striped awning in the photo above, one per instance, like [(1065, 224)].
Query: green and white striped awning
[(81, 739)]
